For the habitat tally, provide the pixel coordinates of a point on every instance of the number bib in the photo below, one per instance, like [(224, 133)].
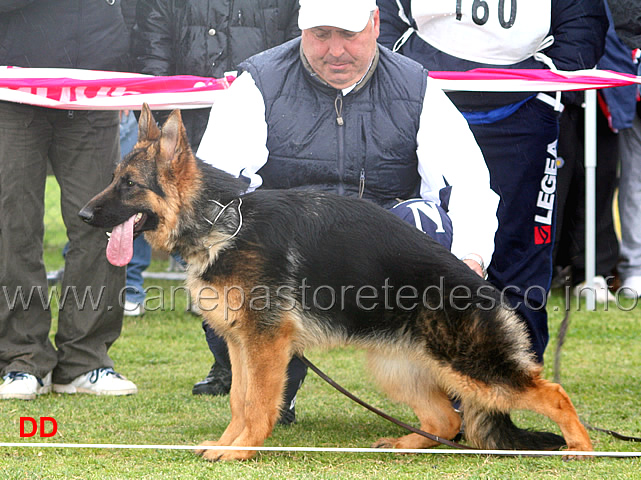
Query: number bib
[(497, 32)]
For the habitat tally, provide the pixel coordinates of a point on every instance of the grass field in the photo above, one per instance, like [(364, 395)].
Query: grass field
[(164, 352)]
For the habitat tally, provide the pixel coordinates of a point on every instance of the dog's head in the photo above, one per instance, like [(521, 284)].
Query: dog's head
[(150, 187)]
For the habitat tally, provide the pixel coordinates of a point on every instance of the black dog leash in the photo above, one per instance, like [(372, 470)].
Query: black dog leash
[(389, 418), (616, 435), (560, 340), (350, 395), (431, 436)]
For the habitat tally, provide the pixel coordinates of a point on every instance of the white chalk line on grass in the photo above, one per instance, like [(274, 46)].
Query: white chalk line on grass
[(443, 451)]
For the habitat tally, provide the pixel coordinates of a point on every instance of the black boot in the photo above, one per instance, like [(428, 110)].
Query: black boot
[(296, 372), (218, 382)]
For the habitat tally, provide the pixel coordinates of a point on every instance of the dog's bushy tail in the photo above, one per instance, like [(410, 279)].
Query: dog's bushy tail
[(489, 430)]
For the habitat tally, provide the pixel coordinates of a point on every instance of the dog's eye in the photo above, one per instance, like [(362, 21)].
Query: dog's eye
[(130, 183)]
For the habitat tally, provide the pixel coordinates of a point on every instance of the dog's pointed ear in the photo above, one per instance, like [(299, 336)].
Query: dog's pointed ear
[(147, 128), (173, 139)]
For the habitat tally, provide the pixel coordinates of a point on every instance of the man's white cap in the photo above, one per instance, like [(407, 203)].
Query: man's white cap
[(351, 15)]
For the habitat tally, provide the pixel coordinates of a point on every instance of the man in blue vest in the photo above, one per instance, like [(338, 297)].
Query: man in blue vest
[(336, 112)]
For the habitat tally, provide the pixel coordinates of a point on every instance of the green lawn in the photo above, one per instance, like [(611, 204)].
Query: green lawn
[(164, 352)]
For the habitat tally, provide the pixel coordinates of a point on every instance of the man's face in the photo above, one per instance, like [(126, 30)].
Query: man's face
[(338, 56)]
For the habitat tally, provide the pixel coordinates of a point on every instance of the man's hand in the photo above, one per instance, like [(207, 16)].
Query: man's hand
[(475, 262), (474, 265)]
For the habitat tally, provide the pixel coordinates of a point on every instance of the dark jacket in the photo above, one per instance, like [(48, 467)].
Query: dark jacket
[(88, 34), (627, 21), (207, 38), (621, 101), (578, 27), (373, 147)]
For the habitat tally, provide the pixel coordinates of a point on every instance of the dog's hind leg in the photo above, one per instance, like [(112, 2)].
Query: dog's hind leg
[(488, 424), (264, 359), (551, 400), (408, 383)]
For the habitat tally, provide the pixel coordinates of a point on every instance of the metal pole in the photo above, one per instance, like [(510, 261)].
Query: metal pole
[(590, 196)]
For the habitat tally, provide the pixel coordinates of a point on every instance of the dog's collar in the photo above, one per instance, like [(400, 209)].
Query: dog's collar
[(222, 209)]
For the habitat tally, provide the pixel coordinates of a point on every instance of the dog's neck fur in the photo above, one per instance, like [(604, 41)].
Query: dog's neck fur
[(215, 217), (201, 220)]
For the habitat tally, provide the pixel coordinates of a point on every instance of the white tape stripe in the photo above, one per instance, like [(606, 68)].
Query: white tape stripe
[(156, 101), (442, 451)]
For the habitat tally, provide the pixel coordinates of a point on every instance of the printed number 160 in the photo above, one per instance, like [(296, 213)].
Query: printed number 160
[(481, 12)]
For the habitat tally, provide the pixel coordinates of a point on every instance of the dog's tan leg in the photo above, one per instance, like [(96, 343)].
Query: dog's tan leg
[(550, 399), (408, 383), (265, 369), (237, 403), (437, 416)]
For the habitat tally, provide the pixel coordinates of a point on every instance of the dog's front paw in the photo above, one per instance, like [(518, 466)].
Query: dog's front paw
[(568, 458), (582, 445), (202, 451), (216, 455)]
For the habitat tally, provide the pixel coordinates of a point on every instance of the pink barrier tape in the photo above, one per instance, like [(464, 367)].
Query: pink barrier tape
[(519, 80), (71, 89)]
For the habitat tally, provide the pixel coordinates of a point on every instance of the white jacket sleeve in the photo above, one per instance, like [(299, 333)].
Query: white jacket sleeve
[(449, 155), (236, 136)]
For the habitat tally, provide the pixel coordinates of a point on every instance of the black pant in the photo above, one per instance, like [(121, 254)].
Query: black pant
[(519, 152), (570, 244)]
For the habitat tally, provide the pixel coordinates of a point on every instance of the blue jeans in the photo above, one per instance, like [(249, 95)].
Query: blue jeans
[(630, 200), (128, 132), (139, 262), (142, 250)]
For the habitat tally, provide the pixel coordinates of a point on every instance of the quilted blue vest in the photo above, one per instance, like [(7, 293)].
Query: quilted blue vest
[(319, 139)]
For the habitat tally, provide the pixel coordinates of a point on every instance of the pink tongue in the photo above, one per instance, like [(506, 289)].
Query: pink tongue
[(120, 248)]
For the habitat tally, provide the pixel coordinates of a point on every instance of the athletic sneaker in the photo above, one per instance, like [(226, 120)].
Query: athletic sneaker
[(24, 386), (631, 287), (133, 309), (101, 381), (601, 291)]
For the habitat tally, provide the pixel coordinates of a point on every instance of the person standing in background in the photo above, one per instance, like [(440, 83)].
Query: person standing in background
[(517, 131), (83, 148), (626, 16), (615, 113), (134, 291), (206, 38)]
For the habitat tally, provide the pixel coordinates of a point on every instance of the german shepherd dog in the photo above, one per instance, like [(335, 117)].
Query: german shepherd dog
[(277, 272)]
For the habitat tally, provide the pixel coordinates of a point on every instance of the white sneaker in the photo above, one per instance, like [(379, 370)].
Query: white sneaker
[(601, 292), (101, 381), (631, 287), (24, 386), (133, 309)]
